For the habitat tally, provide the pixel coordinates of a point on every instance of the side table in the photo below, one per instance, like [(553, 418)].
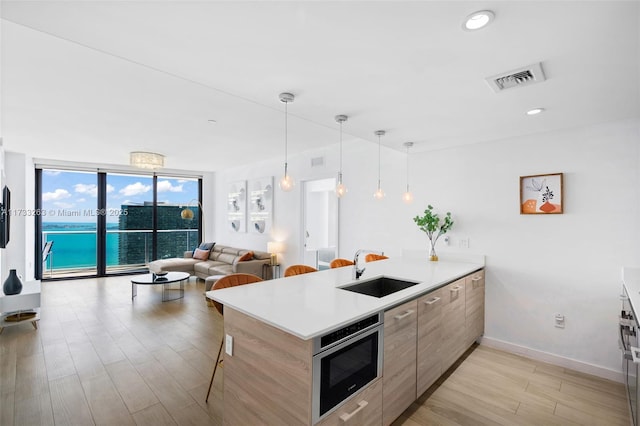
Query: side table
[(275, 270), (28, 300)]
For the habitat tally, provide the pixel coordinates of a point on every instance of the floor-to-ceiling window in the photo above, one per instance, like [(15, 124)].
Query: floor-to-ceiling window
[(104, 223), (69, 219)]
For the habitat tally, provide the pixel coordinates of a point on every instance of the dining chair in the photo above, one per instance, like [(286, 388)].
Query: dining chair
[(298, 270), (227, 281), (339, 263), (372, 257)]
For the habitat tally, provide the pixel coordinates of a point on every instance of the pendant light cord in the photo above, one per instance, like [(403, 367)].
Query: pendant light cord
[(379, 145), (407, 168), (340, 152), (286, 140)]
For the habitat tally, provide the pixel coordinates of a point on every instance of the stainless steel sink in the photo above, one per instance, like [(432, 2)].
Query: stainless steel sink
[(379, 286)]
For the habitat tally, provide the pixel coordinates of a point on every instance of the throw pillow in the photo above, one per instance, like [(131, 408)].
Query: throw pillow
[(247, 256), (201, 254), (206, 246)]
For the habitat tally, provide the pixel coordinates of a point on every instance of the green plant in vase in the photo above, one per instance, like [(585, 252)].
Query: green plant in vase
[(431, 224)]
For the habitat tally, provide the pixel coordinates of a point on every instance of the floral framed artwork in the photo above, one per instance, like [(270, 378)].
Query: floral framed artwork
[(237, 206), (541, 194), (261, 205)]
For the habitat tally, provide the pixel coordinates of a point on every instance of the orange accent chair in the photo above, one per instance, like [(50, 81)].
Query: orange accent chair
[(298, 270), (339, 263), (227, 281), (372, 257)]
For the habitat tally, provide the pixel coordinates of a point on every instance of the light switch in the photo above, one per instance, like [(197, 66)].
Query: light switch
[(228, 345)]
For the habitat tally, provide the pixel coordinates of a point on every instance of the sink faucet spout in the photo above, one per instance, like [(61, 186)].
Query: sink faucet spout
[(357, 272)]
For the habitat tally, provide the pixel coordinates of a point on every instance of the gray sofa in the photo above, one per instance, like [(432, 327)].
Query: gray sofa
[(223, 260)]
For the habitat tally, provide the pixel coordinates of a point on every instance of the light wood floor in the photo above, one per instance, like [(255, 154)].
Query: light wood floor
[(99, 358)]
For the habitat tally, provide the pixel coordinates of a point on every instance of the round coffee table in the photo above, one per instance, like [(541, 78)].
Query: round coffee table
[(164, 280)]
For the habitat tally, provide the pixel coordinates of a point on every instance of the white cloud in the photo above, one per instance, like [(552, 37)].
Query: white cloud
[(81, 200), (135, 189), (58, 194), (90, 189), (51, 172), (165, 185), (110, 188)]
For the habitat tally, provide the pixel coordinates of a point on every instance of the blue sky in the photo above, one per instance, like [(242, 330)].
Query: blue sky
[(71, 196)]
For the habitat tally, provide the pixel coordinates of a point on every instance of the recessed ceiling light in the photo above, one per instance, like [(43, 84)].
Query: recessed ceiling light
[(477, 20), (535, 111)]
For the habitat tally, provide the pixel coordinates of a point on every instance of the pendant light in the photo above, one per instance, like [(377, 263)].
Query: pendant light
[(341, 189), (407, 197), (379, 194), (286, 183)]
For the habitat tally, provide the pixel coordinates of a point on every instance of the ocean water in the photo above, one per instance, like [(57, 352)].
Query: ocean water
[(74, 244)]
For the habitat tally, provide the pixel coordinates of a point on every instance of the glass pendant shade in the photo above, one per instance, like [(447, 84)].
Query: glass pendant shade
[(341, 189), (286, 183), (379, 194), (407, 197)]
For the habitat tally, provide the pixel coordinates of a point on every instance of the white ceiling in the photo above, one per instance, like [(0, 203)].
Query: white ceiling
[(91, 81)]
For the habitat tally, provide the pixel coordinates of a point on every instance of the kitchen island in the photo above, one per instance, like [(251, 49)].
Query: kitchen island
[(271, 328)]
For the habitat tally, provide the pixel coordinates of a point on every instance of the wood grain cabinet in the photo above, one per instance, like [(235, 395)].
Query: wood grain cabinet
[(429, 344), (399, 368), (268, 380), (362, 409), (474, 306), (453, 323)]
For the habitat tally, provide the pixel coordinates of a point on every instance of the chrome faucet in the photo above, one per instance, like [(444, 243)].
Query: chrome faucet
[(357, 272)]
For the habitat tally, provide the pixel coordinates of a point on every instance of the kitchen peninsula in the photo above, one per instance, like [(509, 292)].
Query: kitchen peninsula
[(276, 332)]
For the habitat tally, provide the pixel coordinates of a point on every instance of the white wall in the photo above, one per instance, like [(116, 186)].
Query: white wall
[(537, 265), (19, 253)]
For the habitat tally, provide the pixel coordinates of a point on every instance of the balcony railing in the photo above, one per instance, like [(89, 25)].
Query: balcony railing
[(74, 252)]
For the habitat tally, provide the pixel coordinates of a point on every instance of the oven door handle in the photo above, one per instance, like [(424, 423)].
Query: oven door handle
[(348, 416)]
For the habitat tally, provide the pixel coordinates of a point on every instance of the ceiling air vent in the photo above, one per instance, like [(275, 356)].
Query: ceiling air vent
[(317, 161), (517, 78)]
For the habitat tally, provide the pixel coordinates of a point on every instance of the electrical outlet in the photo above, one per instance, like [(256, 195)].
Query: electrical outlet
[(464, 242), (559, 321), (228, 345)]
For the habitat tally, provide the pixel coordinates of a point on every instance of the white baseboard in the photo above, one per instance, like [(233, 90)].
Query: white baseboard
[(573, 364)]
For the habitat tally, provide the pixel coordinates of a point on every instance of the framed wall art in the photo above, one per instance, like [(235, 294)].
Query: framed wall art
[(237, 206), (541, 194), (261, 205)]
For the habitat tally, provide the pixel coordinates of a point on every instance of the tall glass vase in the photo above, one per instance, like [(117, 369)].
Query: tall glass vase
[(432, 253)]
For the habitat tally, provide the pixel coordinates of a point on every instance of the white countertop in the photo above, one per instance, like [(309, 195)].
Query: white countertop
[(312, 304)]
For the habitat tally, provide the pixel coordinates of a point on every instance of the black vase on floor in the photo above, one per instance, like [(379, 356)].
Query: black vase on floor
[(12, 285)]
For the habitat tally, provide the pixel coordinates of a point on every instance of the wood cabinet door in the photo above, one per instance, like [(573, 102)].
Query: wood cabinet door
[(399, 370), (453, 323), (429, 363), (474, 306), (362, 409)]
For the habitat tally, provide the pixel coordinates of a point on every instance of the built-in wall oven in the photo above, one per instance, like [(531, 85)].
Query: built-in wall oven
[(344, 361), (628, 340)]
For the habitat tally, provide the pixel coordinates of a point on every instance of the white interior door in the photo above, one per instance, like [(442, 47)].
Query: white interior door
[(320, 221)]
